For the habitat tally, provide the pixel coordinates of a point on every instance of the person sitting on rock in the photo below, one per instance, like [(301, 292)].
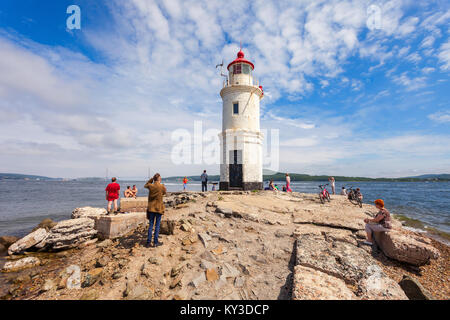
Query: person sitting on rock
[(272, 186), (134, 190), (381, 222), (128, 193), (359, 194)]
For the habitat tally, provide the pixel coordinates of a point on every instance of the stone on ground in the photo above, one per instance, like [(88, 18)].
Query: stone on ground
[(414, 290), (28, 241), (88, 212), (310, 284), (24, 263)]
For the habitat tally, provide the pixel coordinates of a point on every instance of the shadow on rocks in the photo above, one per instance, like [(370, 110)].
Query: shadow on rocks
[(137, 237), (286, 289)]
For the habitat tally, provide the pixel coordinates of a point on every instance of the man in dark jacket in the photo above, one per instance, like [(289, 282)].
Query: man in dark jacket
[(155, 208), (204, 178)]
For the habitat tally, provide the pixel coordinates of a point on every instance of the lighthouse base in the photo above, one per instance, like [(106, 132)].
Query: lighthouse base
[(225, 186)]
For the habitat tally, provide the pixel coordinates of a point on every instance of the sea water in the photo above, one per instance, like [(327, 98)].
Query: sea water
[(23, 204)]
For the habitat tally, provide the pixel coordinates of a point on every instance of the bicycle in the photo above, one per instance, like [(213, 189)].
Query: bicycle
[(324, 194), (354, 197)]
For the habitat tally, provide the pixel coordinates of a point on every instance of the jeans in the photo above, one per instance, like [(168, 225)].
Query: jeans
[(204, 186), (151, 217)]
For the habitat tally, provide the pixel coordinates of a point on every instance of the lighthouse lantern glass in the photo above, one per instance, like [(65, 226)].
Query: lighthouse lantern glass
[(236, 69), (245, 68)]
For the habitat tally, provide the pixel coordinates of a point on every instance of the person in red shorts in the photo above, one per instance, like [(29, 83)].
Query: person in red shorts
[(112, 194)]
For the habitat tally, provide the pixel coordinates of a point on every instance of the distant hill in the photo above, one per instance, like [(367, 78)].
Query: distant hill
[(18, 176), (442, 176)]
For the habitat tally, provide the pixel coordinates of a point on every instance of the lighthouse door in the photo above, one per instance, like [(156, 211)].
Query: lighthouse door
[(235, 169)]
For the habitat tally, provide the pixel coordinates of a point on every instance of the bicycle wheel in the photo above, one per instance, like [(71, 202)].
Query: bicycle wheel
[(322, 200), (328, 197)]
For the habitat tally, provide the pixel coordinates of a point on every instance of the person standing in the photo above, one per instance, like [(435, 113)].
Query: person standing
[(332, 183), (288, 183), (155, 208), (185, 181), (112, 194), (204, 178)]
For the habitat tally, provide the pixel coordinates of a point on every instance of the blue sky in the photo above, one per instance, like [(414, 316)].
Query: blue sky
[(347, 99)]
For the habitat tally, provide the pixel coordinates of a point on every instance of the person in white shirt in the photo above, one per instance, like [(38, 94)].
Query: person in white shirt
[(343, 192)]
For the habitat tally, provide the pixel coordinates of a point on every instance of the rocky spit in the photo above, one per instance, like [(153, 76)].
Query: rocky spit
[(228, 245)]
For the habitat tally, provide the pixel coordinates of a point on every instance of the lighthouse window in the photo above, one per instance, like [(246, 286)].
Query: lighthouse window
[(246, 69), (236, 108), (237, 69)]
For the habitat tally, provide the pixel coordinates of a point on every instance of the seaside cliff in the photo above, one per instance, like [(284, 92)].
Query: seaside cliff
[(225, 245)]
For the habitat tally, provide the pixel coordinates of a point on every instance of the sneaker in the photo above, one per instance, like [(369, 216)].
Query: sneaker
[(368, 243), (158, 244), (148, 245)]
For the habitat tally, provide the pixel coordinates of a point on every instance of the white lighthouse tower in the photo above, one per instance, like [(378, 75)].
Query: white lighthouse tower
[(241, 139)]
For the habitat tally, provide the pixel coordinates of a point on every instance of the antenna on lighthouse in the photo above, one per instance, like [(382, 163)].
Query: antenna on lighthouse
[(221, 71)]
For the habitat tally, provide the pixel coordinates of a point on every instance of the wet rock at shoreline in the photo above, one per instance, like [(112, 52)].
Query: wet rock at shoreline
[(7, 241), (69, 233), (47, 224), (28, 241), (24, 263)]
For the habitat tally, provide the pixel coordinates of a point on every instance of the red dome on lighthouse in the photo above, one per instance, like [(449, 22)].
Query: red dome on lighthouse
[(240, 59)]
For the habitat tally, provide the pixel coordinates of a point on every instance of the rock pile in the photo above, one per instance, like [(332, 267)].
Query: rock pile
[(70, 233)]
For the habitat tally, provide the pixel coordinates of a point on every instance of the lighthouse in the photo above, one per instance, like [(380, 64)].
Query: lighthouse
[(241, 138)]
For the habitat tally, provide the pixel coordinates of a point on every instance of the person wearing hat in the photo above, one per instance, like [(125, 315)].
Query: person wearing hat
[(381, 222)]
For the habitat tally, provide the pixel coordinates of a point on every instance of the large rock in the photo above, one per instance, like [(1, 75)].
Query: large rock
[(88, 212), (137, 291), (318, 250), (339, 259), (70, 233), (28, 241), (47, 224), (310, 284), (167, 227), (24, 263), (406, 246), (6, 241), (414, 290), (376, 285)]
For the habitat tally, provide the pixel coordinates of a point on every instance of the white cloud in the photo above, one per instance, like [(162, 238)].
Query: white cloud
[(410, 84), (444, 55), (441, 117)]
